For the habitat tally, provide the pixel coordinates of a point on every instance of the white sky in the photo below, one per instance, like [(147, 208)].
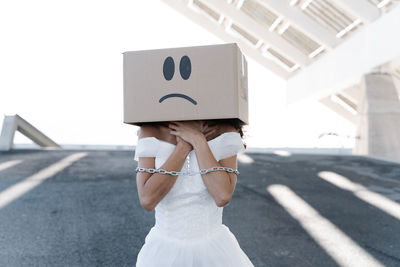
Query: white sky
[(61, 70)]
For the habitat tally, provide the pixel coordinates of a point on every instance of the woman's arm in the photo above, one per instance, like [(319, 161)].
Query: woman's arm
[(220, 184), (152, 188)]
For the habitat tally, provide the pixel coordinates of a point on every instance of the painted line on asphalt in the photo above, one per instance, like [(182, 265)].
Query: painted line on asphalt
[(343, 250), (377, 200), (15, 191), (245, 159), (9, 164)]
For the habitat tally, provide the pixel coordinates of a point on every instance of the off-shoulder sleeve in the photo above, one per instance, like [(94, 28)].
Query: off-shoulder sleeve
[(230, 144), (146, 147)]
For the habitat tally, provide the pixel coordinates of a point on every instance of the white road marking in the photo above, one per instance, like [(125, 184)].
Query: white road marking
[(243, 158), (9, 164), (15, 191), (282, 153), (343, 250), (379, 201)]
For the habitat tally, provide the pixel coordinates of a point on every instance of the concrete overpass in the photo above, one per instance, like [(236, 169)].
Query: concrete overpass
[(343, 53)]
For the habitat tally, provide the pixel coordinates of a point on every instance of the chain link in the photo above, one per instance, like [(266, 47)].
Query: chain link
[(176, 173)]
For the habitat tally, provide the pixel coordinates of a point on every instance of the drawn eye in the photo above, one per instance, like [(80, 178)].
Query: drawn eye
[(185, 67), (168, 68)]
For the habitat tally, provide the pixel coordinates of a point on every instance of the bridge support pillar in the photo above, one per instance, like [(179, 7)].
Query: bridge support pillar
[(378, 121)]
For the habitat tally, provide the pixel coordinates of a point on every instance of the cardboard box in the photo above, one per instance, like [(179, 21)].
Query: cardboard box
[(187, 83)]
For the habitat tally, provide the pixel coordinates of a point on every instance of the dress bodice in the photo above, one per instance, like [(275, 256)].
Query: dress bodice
[(188, 210)]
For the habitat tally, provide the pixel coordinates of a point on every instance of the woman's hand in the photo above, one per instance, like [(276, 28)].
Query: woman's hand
[(211, 131), (180, 142), (188, 131)]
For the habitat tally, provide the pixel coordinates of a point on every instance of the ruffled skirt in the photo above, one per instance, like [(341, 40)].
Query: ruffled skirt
[(220, 249)]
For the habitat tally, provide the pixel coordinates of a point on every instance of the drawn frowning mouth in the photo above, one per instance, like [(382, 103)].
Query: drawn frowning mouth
[(188, 98)]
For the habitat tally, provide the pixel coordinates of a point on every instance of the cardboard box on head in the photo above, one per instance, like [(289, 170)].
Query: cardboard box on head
[(187, 83)]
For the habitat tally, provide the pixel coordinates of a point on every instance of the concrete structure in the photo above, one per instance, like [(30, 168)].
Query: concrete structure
[(379, 117), (322, 48), (16, 123)]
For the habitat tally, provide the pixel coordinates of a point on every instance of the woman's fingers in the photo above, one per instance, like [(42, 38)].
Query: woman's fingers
[(213, 128), (207, 131), (204, 129), (176, 122), (210, 133), (172, 126), (174, 133)]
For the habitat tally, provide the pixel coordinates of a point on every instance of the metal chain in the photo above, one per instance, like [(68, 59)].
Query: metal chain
[(176, 173)]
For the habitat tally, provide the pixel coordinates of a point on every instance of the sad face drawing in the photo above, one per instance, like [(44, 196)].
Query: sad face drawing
[(185, 69)]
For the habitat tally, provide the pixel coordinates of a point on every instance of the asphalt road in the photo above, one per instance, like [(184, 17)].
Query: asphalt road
[(87, 212)]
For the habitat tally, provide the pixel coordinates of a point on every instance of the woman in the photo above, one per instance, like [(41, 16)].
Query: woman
[(188, 229)]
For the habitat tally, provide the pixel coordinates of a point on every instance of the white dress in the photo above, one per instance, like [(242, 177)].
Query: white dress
[(188, 230)]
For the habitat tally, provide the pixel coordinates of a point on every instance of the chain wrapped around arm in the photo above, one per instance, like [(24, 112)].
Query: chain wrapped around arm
[(177, 173)]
